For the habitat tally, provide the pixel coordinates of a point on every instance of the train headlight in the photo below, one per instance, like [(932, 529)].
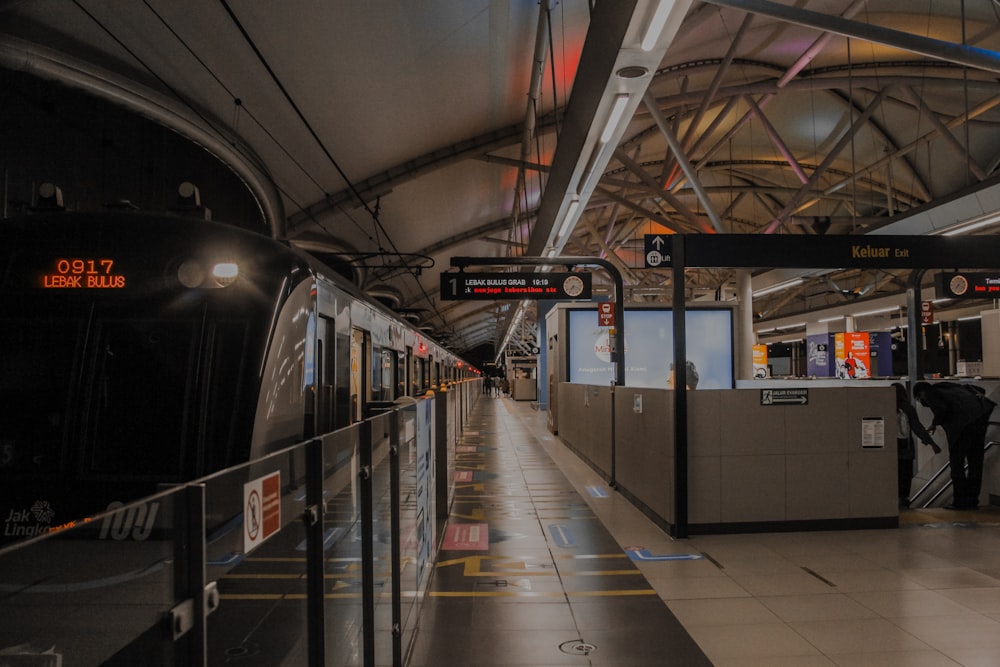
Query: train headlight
[(225, 273)]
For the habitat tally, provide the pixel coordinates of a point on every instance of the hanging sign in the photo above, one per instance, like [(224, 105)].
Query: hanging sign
[(464, 286), (606, 314)]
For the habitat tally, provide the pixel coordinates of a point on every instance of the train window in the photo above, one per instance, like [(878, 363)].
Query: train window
[(36, 371), (401, 373), (388, 366), (376, 374), (137, 402), (342, 368)]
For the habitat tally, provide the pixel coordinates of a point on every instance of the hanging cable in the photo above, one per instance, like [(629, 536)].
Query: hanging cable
[(378, 227)]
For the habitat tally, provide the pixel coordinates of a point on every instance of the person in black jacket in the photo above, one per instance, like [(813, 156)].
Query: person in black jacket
[(964, 413), (907, 425)]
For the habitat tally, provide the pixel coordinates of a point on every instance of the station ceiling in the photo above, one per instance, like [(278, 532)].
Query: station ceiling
[(394, 135)]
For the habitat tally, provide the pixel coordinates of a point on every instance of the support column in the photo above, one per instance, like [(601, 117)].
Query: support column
[(745, 338)]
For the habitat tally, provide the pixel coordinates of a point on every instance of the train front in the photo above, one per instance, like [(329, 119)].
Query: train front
[(131, 348)]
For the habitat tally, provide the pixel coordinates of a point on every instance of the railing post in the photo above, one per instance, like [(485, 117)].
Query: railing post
[(367, 543), (315, 569), (397, 569), (187, 619)]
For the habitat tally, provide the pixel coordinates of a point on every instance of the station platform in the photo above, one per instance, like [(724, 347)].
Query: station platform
[(543, 564)]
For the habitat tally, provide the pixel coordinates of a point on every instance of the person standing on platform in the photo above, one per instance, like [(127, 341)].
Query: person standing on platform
[(488, 385), (964, 413), (907, 425)]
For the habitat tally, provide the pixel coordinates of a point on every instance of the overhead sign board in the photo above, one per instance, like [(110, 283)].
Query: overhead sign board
[(966, 285), (839, 252), (495, 286), (656, 250)]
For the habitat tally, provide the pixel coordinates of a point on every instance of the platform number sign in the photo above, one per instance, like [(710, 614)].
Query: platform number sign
[(657, 249)]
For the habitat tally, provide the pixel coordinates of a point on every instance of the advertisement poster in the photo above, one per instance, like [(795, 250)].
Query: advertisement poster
[(759, 362), (852, 354), (818, 355), (649, 341)]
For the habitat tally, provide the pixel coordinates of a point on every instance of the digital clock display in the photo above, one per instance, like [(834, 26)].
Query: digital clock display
[(83, 273)]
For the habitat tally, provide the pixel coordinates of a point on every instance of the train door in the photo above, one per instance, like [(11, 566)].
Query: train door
[(432, 371), (360, 356)]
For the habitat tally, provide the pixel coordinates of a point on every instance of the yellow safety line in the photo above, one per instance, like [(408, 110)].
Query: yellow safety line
[(534, 594)]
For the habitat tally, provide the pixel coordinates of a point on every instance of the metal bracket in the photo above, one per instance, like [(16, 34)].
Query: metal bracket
[(181, 617)]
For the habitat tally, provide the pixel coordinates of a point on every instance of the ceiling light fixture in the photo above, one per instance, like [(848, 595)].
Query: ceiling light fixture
[(569, 219), (969, 225), (777, 288), (880, 311), (617, 111), (655, 27)]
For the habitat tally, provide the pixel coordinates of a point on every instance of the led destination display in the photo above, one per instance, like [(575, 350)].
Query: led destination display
[(491, 286), (83, 273)]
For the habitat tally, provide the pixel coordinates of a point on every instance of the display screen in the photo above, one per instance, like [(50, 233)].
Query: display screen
[(82, 273), (649, 348), (497, 286)]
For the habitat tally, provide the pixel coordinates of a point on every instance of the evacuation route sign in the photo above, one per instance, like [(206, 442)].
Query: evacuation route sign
[(261, 510), (784, 397)]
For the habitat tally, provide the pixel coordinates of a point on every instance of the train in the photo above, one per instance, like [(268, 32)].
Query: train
[(148, 349)]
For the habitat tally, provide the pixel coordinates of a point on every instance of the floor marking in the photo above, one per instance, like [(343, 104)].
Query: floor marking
[(562, 536), (538, 594), (473, 567), (466, 536), (638, 553)]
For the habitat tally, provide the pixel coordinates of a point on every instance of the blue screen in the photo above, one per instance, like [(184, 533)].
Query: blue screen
[(649, 348)]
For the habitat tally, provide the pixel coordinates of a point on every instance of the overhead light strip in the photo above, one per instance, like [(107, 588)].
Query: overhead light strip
[(777, 288), (614, 117), (656, 24), (969, 225), (569, 219), (880, 311)]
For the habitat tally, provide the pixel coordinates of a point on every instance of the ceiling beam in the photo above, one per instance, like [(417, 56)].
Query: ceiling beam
[(976, 58)]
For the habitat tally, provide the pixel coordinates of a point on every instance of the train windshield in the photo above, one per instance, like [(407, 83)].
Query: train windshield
[(112, 397)]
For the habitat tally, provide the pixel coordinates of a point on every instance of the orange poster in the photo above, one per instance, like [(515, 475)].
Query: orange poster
[(759, 361), (852, 355)]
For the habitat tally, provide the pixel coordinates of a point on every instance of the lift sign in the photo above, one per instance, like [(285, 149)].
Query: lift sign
[(83, 273)]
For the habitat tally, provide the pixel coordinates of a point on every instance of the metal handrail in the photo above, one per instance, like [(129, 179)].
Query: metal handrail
[(940, 472)]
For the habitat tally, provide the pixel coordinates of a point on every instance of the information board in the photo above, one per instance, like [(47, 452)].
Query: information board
[(967, 285), (463, 286)]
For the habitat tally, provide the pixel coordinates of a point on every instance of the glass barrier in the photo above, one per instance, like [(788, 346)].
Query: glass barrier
[(255, 551), (342, 548), (96, 592), (123, 588)]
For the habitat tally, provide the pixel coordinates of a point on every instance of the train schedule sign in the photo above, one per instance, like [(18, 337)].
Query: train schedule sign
[(496, 286), (967, 285)]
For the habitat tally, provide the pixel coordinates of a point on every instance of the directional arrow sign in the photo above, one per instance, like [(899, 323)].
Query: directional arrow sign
[(657, 249), (784, 397)]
